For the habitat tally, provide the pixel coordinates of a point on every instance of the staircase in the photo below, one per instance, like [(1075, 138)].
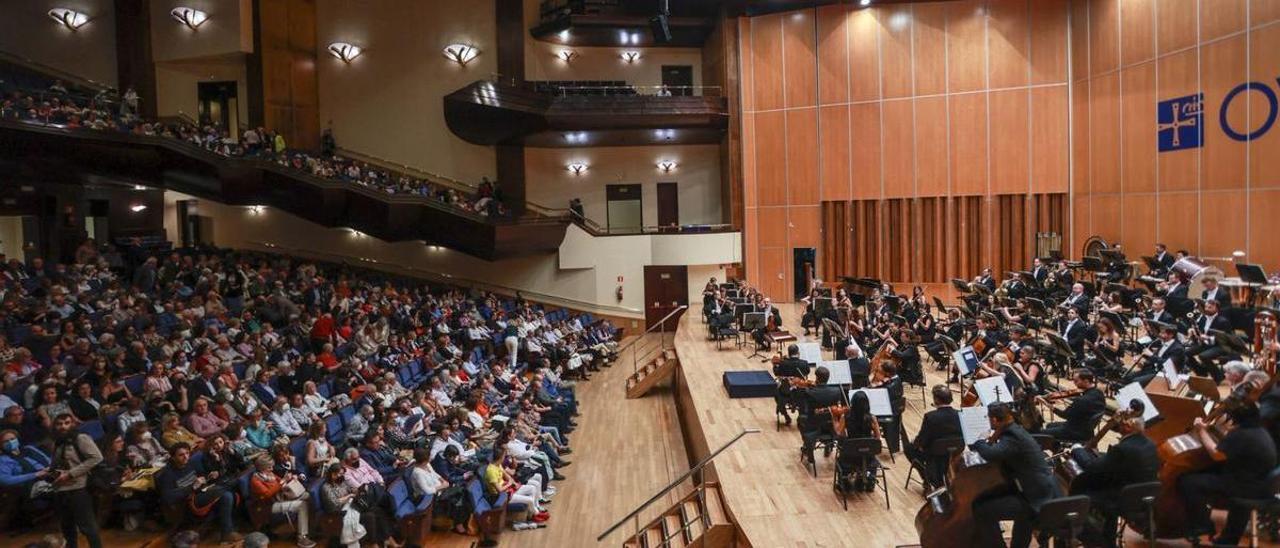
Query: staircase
[(698, 520), (660, 368)]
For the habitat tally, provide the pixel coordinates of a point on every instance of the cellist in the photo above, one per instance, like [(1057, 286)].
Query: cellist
[(1245, 458), (1131, 460), (786, 371), (1031, 478)]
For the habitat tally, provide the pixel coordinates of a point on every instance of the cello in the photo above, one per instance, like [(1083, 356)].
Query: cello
[(947, 519)]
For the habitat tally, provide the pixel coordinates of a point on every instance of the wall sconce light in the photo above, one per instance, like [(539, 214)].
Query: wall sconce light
[(344, 51), (864, 3), (190, 17), (567, 55), (666, 166), (630, 56), (460, 53), (577, 167), (257, 209), (72, 19), (137, 208)]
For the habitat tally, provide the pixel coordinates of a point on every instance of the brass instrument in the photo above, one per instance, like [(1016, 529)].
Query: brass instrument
[(1264, 342)]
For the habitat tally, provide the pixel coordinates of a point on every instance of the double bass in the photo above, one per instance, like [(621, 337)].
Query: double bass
[(947, 519), (1180, 455)]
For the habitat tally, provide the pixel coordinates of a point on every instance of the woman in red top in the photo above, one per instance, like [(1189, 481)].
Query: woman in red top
[(267, 489)]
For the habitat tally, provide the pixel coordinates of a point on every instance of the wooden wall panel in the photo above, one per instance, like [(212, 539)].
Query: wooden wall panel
[(1080, 40), (749, 156), (805, 226), (1179, 219), (1008, 43), (864, 55), (1105, 217), (1222, 67), (1175, 25), (1264, 224), (1179, 77), (1221, 17), (766, 65), (1081, 225), (746, 63), (771, 161), (1104, 36), (1080, 136), (1137, 28), (898, 153), (865, 162), (929, 35), (1104, 133), (1049, 28), (799, 73), (1264, 57), (1010, 138), (969, 143), (895, 50), (931, 146), (802, 157), (775, 265), (833, 54), (1050, 160), (966, 46), (1262, 12), (773, 226), (834, 153), (1222, 230), (1138, 84), (1138, 227)]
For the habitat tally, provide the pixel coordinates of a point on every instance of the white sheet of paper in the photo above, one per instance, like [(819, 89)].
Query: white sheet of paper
[(992, 390), (966, 359), (1171, 374), (1134, 391), (973, 423), (811, 352), (840, 374), (879, 400)]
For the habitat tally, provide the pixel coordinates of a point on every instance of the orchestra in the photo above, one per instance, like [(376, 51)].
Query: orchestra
[(1064, 341)]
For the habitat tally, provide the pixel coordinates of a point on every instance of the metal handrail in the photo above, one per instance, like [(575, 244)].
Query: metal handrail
[(635, 356), (672, 485)]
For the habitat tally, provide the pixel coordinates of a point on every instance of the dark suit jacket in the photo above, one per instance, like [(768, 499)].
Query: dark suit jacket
[(894, 386), (1220, 322), (1023, 463), (1176, 352), (860, 368), (1222, 296), (825, 395), (1081, 411), (791, 367), (1132, 460), (1074, 336), (943, 422), (197, 388), (1179, 292)]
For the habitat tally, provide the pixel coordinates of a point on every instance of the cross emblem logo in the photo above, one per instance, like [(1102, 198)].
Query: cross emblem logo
[(1179, 123)]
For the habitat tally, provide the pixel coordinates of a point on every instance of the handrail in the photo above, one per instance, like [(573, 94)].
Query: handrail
[(635, 356), (672, 485)]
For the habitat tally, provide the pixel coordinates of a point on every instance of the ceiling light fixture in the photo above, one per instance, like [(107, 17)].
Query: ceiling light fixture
[(137, 208), (257, 209), (567, 55), (864, 3), (630, 56), (70, 18), (461, 53), (577, 167), (345, 52), (190, 17), (667, 165)]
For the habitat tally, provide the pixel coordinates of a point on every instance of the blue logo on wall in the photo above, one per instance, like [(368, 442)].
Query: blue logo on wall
[(1180, 123)]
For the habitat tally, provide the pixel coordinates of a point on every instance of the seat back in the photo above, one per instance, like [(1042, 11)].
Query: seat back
[(1063, 513), (336, 429), (946, 446), (1136, 500), (852, 450)]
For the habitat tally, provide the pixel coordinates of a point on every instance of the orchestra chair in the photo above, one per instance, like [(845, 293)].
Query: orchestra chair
[(1260, 508), (1063, 516), (1061, 443), (853, 455), (940, 447), (824, 436), (1138, 510), (1047, 443), (728, 332)]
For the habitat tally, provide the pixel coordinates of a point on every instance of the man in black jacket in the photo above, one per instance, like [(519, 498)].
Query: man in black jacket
[(812, 423), (1073, 330), (940, 423), (1152, 359), (1131, 460), (859, 366), (1247, 456), (1203, 347), (1083, 412), (790, 368), (1030, 480)]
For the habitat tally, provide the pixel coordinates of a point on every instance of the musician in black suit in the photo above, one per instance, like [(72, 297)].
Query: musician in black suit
[(1030, 480), (1082, 414), (790, 368), (1213, 292), (941, 423), (1131, 460), (813, 424), (1163, 261), (1073, 329), (1247, 456), (1078, 298), (1159, 312), (1152, 359), (1176, 288), (859, 366), (1039, 272), (1205, 354), (986, 279), (770, 312), (892, 382)]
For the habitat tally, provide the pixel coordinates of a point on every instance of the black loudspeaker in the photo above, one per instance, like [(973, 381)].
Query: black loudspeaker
[(660, 25)]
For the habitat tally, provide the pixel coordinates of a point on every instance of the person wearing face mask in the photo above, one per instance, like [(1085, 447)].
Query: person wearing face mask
[(20, 467), (143, 451), (284, 421)]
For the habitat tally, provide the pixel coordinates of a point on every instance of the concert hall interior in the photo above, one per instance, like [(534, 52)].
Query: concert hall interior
[(639, 273)]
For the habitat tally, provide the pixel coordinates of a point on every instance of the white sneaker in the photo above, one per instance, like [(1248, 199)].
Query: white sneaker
[(550, 491), (523, 525)]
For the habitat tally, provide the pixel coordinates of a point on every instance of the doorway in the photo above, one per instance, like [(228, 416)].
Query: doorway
[(624, 209), (668, 207), (666, 288), (218, 105), (803, 273), (678, 79)]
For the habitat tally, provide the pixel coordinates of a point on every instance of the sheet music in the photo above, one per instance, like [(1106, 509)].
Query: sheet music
[(1134, 391), (966, 359), (973, 423), (879, 400), (991, 390), (1171, 374), (840, 374), (811, 352)]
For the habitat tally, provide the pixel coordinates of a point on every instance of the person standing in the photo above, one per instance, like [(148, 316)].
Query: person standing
[(74, 455)]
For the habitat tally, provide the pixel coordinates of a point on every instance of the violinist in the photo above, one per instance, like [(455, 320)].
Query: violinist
[(811, 423), (1131, 460), (1245, 458), (859, 366), (907, 355), (897, 400), (1082, 414), (810, 318), (788, 369), (1031, 483), (860, 423), (1152, 359), (940, 423), (773, 321)]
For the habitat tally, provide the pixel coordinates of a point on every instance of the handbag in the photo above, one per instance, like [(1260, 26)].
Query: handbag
[(293, 490)]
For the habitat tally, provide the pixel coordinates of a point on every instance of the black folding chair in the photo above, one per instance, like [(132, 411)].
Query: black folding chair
[(1259, 508), (854, 455), (940, 447), (1062, 518), (1138, 510)]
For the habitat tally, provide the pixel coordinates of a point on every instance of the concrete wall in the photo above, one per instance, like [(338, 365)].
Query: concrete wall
[(90, 52)]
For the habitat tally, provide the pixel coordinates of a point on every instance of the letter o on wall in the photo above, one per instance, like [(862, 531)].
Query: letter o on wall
[(1271, 112)]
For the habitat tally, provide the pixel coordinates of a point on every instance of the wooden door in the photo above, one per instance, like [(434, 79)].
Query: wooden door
[(666, 288), (668, 206)]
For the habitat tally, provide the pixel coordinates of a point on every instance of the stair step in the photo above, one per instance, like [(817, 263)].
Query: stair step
[(653, 537), (689, 511), (631, 543), (674, 530), (715, 508)]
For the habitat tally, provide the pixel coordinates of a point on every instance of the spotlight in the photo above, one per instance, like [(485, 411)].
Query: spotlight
[(190, 17), (577, 167), (72, 19), (864, 3), (460, 53), (344, 51), (257, 209)]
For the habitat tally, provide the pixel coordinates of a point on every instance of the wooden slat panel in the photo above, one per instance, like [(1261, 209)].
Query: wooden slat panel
[(1010, 137), (931, 146), (1221, 229), (1180, 219), (1080, 158), (899, 170), (1050, 149), (749, 155), (1104, 131), (746, 64), (865, 143), (968, 142), (1264, 224)]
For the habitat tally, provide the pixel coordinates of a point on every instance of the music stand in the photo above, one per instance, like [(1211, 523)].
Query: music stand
[(981, 290), (961, 285), (821, 305), (751, 321), (1036, 307), (1252, 273), (741, 309), (942, 308), (947, 342), (1093, 264), (1230, 342), (1204, 386)]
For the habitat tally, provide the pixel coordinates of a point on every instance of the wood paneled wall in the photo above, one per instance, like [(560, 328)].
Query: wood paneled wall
[(1125, 58), (899, 121), (283, 84)]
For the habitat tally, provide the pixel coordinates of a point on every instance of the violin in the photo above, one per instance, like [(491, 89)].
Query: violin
[(1063, 394)]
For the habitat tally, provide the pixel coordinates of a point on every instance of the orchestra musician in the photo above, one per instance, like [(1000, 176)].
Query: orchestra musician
[(1245, 458), (810, 319), (1158, 313), (821, 395), (1212, 292), (1175, 288), (791, 367), (1163, 260), (1150, 362), (1082, 414), (1039, 272), (859, 366), (1131, 460), (1106, 347), (860, 423), (893, 383), (1077, 298), (940, 423), (1072, 328), (1203, 350), (1031, 483), (773, 319), (986, 280)]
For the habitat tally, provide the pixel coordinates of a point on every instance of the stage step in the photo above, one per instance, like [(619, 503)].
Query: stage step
[(696, 521), (654, 372), (673, 530)]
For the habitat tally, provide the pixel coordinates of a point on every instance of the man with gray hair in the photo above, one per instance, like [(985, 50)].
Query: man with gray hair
[(859, 366), (1233, 373)]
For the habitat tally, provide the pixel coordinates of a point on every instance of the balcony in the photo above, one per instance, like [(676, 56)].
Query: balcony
[(46, 153), (495, 113)]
